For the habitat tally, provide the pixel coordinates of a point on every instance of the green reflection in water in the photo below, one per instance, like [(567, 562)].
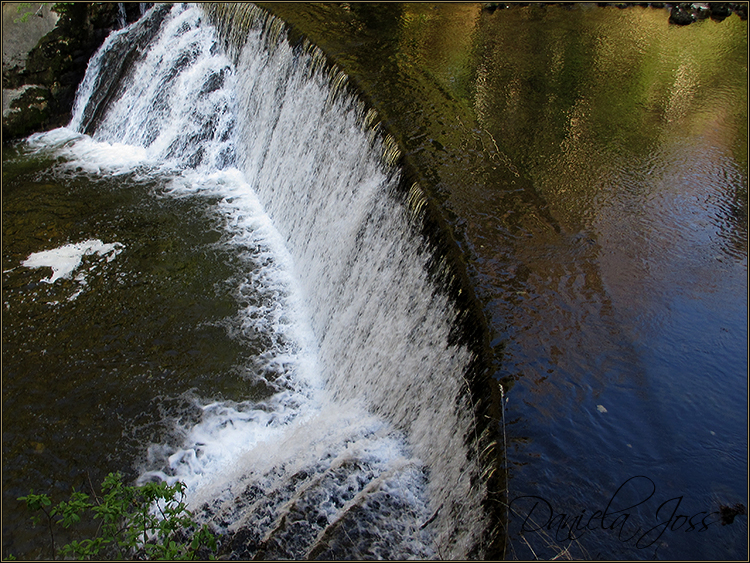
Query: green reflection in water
[(592, 163), (578, 94), (478, 99)]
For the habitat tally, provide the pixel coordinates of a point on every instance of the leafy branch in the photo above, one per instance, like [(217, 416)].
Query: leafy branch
[(145, 522), (26, 10)]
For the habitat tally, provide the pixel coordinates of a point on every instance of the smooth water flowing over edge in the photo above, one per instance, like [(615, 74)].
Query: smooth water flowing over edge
[(441, 260), (439, 393)]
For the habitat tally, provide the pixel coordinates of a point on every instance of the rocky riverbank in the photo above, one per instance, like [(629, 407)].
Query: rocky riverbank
[(680, 13), (39, 88)]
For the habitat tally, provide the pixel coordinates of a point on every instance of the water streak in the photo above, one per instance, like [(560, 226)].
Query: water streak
[(369, 445)]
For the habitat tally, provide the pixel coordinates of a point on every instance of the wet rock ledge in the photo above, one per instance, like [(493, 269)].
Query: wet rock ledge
[(39, 89)]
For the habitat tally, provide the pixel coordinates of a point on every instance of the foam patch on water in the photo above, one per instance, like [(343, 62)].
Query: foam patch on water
[(81, 153), (313, 465), (67, 259)]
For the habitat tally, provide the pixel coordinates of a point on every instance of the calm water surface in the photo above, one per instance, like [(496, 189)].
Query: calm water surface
[(593, 162)]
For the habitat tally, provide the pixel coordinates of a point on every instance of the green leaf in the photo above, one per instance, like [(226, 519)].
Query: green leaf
[(128, 522)]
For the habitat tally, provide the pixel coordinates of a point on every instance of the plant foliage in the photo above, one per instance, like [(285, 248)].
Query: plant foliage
[(141, 522), (26, 10)]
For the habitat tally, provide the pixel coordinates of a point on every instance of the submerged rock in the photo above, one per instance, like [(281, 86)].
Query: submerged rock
[(720, 11)]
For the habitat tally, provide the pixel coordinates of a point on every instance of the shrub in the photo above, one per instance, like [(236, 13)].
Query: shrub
[(143, 522)]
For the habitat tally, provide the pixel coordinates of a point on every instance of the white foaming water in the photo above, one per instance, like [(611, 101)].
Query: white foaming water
[(68, 258), (83, 153), (361, 451)]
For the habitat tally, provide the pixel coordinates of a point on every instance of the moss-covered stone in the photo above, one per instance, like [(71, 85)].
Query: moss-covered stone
[(56, 67), (30, 110)]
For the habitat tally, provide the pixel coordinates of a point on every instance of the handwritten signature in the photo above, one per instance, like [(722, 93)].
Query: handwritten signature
[(618, 517)]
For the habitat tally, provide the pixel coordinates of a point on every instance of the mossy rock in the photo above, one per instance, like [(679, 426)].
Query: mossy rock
[(30, 111), (55, 67), (81, 30)]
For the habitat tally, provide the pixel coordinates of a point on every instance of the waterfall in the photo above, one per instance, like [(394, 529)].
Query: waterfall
[(379, 439), (122, 18)]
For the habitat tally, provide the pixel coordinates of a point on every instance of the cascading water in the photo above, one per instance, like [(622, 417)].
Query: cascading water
[(371, 441)]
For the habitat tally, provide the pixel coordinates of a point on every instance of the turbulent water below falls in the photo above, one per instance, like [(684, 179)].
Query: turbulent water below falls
[(346, 427)]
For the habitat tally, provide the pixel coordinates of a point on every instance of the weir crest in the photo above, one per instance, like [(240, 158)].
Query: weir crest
[(381, 435)]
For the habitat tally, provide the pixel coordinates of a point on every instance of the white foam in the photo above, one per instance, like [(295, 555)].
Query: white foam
[(82, 153), (66, 259), (325, 419)]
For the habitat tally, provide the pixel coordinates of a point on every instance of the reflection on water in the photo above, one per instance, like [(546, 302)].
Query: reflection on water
[(593, 163)]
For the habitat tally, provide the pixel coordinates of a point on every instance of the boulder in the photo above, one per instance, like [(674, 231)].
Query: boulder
[(38, 95), (720, 10), (678, 15)]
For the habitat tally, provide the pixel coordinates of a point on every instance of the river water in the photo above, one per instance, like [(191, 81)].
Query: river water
[(592, 163)]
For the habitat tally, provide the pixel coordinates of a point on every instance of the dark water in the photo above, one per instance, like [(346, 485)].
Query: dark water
[(593, 163), (96, 369)]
